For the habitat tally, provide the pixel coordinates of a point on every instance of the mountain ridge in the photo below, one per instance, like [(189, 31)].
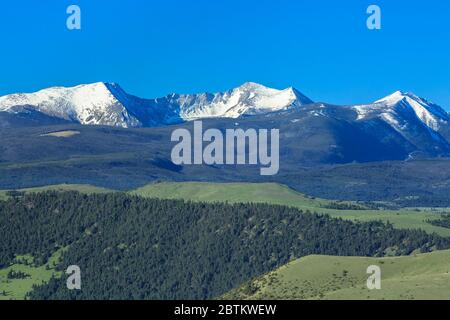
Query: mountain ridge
[(103, 103), (398, 126)]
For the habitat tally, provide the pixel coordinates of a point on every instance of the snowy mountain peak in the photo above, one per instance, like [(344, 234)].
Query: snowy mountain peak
[(397, 96), (108, 104), (430, 113), (253, 86), (263, 90), (248, 99), (87, 104), (400, 109)]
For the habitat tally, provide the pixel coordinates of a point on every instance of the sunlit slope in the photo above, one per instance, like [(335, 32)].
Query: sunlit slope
[(278, 194), (83, 188), (422, 276), (16, 288), (272, 193), (232, 192)]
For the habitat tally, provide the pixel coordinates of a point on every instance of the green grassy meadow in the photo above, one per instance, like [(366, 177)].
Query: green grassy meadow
[(83, 188), (421, 276), (16, 289)]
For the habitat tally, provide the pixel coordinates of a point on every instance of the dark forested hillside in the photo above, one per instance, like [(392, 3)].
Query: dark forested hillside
[(125, 159), (134, 248)]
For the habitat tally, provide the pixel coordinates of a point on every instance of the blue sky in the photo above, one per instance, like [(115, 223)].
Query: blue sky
[(151, 47)]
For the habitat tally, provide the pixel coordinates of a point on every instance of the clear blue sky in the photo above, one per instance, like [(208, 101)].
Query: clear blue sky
[(151, 47)]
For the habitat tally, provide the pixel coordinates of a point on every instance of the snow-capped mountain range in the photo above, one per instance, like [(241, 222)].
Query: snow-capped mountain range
[(415, 119), (401, 126), (108, 104)]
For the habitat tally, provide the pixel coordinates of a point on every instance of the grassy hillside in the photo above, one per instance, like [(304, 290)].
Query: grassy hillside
[(83, 188), (422, 276), (312, 277), (3, 195), (278, 194), (233, 192), (131, 247), (272, 193), (16, 289)]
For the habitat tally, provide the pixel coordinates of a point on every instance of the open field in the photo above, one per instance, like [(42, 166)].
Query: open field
[(16, 289), (232, 192), (422, 276), (278, 194)]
